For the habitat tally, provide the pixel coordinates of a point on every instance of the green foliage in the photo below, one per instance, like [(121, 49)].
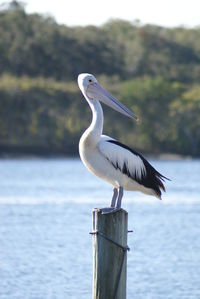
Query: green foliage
[(185, 114), (150, 99), (36, 46), (40, 115), (153, 70)]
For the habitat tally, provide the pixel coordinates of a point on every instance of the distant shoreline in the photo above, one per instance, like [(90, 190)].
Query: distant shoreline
[(21, 156)]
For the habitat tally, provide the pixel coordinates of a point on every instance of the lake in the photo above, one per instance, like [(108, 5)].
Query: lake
[(45, 220)]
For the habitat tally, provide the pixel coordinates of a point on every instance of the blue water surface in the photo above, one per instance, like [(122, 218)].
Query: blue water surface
[(45, 220)]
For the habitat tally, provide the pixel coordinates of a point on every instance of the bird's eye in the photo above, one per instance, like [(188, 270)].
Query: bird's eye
[(90, 80)]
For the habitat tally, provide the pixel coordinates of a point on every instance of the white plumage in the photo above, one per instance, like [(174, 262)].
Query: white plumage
[(109, 159), (118, 155)]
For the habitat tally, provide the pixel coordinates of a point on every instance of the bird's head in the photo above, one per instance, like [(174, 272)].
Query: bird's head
[(92, 90), (84, 80)]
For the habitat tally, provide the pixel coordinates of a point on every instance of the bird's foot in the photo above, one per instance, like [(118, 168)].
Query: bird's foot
[(110, 210)]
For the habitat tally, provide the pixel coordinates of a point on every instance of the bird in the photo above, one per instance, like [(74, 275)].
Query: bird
[(109, 159)]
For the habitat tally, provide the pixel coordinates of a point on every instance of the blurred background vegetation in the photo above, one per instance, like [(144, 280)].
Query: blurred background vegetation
[(153, 70)]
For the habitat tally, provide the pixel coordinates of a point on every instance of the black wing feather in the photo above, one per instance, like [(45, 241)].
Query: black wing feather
[(151, 179)]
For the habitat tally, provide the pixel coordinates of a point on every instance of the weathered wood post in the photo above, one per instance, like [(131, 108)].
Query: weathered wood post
[(109, 254)]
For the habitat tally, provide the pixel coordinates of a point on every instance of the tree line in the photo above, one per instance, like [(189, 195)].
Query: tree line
[(154, 70)]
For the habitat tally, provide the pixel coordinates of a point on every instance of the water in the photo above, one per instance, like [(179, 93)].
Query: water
[(45, 220)]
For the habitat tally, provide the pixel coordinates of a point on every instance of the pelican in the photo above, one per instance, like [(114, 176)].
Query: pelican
[(112, 161)]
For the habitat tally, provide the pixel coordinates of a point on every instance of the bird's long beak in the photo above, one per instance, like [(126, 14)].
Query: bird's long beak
[(95, 91)]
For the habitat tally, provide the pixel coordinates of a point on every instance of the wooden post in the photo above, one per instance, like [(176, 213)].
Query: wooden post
[(109, 254)]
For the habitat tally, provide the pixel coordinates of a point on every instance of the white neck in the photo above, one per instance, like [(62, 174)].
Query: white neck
[(94, 132)]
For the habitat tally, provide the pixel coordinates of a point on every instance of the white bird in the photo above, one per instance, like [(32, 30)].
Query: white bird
[(109, 159)]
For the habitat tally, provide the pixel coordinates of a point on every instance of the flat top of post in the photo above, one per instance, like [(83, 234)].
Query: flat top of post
[(107, 211)]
